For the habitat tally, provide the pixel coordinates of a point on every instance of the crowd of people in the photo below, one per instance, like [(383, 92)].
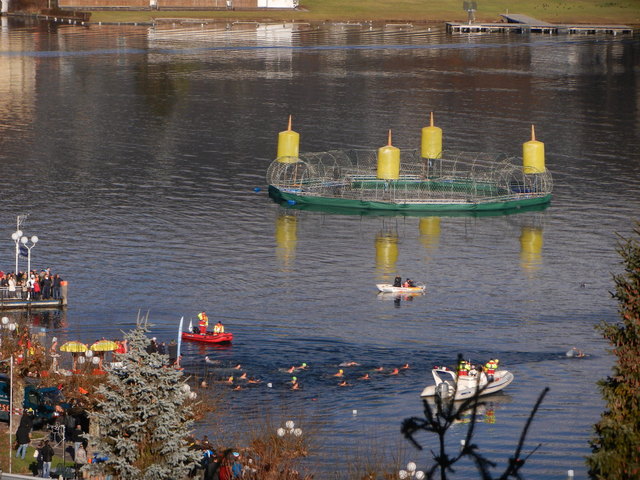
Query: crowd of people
[(223, 465), (65, 426), (34, 285)]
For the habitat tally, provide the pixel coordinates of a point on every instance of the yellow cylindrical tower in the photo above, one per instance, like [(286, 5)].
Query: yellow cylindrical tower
[(533, 154), (531, 241), (431, 141), (389, 161), (386, 252), (286, 238), (288, 145)]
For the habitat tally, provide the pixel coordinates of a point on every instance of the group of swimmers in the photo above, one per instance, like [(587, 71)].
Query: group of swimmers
[(366, 376), (294, 383)]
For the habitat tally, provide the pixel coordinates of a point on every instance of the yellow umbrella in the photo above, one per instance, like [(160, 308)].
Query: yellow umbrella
[(73, 347), (104, 346)]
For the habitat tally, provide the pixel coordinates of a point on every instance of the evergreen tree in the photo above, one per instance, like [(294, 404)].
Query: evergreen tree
[(142, 420), (616, 444)]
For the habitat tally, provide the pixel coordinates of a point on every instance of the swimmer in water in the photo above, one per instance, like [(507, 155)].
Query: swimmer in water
[(253, 380), (365, 377), (230, 379), (339, 374), (405, 366), (349, 364), (237, 387), (291, 370), (394, 372), (294, 380), (243, 376), (303, 367), (295, 386), (344, 383), (238, 367), (379, 369)]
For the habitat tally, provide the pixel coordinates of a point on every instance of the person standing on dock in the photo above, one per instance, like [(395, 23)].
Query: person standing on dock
[(46, 287), (203, 322), (56, 287)]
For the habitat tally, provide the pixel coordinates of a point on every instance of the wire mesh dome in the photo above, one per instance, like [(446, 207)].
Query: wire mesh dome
[(457, 178)]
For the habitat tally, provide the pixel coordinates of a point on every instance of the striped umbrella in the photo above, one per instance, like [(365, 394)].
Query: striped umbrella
[(73, 347), (104, 346)]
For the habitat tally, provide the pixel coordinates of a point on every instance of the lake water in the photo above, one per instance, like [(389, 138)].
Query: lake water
[(136, 152)]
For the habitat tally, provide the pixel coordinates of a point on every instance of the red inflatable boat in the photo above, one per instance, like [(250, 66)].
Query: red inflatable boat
[(208, 337)]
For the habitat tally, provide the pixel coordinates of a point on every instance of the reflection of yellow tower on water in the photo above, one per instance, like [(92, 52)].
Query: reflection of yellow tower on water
[(430, 232), (286, 240), (531, 241), (386, 252)]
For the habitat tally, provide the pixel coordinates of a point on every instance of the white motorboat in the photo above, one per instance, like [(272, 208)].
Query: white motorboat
[(467, 385), (389, 288)]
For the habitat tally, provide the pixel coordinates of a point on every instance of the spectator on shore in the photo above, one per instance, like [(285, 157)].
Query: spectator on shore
[(23, 438), (77, 435), (80, 459), (46, 452)]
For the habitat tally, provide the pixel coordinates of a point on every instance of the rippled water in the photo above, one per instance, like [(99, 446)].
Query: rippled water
[(136, 152)]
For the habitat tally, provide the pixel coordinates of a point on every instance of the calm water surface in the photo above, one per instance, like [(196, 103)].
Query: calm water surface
[(136, 152)]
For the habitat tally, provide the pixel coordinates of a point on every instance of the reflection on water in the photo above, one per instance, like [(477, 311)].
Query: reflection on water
[(531, 240), (386, 248), (137, 152), (286, 239)]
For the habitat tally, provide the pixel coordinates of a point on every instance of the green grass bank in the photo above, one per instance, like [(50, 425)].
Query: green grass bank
[(624, 12)]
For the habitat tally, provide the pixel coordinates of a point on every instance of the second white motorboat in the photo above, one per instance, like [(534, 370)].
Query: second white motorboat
[(447, 380)]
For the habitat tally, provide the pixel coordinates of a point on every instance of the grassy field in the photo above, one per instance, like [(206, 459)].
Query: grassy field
[(626, 12)]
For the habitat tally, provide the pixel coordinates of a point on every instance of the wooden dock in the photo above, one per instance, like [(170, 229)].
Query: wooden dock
[(17, 304), (518, 23), (9, 302)]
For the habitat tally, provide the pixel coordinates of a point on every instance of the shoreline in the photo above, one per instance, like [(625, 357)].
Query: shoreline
[(190, 17), (376, 12)]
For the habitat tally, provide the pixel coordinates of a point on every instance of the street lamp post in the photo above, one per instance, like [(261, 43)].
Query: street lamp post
[(24, 241), (8, 325), (15, 236)]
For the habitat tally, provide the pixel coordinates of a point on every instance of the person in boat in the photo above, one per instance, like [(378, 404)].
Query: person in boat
[(463, 368), (397, 282), (490, 369), (203, 322), (218, 328)]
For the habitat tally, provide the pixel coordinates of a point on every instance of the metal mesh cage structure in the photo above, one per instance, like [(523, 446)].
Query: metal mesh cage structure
[(457, 179)]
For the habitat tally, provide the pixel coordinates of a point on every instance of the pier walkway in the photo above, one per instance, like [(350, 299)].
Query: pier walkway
[(518, 23)]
